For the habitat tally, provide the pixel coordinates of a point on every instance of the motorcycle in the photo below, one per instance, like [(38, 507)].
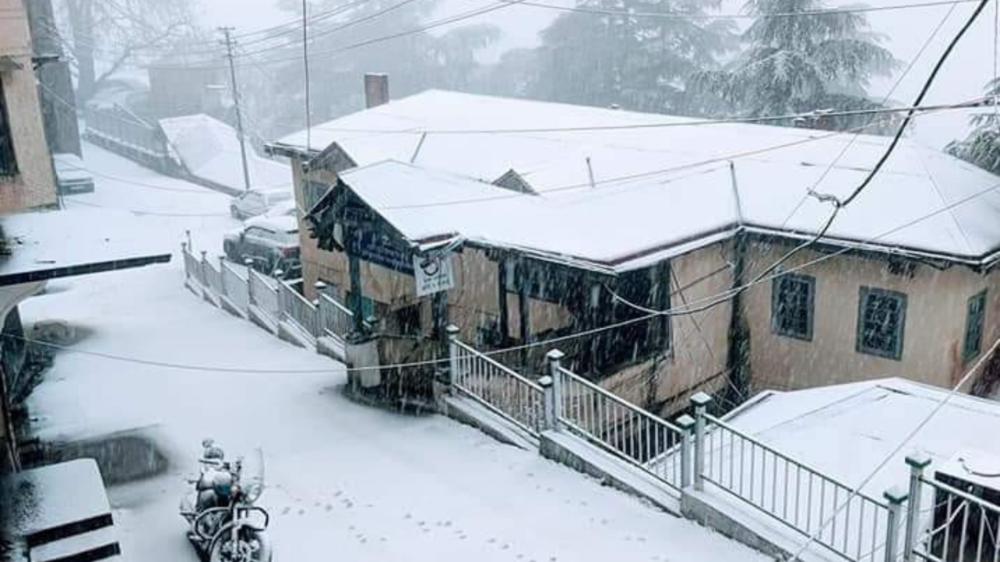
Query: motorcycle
[(224, 524)]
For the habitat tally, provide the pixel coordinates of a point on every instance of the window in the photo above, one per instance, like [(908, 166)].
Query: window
[(8, 160), (974, 327), (312, 192), (408, 320), (792, 298), (881, 318)]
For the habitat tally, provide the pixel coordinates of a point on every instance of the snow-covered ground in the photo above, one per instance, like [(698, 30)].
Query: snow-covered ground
[(346, 482), (169, 206)]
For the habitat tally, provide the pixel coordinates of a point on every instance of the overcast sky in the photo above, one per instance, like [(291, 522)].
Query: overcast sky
[(905, 31)]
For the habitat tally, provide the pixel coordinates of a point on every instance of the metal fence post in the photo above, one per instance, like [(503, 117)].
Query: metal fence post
[(452, 331), (187, 233), (222, 280), (184, 256), (917, 462), (554, 358), (248, 263), (203, 264), (701, 402), (895, 496), (548, 403), (686, 423)]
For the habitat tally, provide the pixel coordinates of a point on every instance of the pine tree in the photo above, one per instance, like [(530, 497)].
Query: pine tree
[(982, 146), (603, 57), (795, 63)]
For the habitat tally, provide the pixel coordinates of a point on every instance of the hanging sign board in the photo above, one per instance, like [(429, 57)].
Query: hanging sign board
[(433, 274)]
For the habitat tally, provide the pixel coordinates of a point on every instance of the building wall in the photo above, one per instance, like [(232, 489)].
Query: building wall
[(34, 185), (699, 341), (933, 334)]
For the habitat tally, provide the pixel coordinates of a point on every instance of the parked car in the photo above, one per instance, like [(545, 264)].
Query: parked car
[(272, 243), (256, 202), (72, 175), (285, 208)]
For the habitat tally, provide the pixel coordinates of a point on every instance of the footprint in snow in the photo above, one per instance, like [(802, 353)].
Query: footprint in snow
[(329, 507), (302, 512), (286, 510)]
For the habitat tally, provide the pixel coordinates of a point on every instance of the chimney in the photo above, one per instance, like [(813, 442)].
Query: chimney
[(376, 90)]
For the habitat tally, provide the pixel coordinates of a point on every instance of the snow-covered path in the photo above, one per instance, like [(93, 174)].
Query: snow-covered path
[(346, 482)]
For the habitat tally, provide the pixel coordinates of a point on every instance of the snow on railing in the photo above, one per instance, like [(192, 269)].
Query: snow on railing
[(495, 386), (212, 276), (264, 295), (236, 286), (297, 309), (847, 523), (620, 427), (335, 319), (192, 266)]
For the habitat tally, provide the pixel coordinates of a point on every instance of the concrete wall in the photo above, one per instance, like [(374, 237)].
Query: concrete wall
[(933, 334), (34, 185)]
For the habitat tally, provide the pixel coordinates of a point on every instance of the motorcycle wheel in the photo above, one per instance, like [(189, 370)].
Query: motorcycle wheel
[(251, 547)]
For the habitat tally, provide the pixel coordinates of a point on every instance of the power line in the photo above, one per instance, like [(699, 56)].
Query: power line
[(686, 122), (696, 17), (628, 177), (909, 116), (888, 96)]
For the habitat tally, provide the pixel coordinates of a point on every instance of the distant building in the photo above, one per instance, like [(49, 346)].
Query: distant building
[(615, 215)]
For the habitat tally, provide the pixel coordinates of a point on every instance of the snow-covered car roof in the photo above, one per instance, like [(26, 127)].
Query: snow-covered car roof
[(281, 223), (631, 186)]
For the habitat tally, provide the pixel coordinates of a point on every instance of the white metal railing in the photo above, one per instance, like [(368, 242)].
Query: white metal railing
[(192, 266), (264, 295), (236, 286), (297, 309), (335, 319), (213, 277), (849, 524), (495, 386), (962, 527), (628, 431)]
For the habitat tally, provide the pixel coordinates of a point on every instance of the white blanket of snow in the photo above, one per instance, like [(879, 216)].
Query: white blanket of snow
[(51, 496), (847, 430), (773, 166), (210, 149), (346, 482), (50, 243), (167, 207)]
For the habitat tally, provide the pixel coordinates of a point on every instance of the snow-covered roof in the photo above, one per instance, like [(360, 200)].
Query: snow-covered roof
[(847, 430), (672, 184), (54, 496), (210, 149), (50, 244)]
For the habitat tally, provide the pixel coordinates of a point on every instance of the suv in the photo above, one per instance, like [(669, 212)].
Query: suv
[(257, 202), (272, 243)]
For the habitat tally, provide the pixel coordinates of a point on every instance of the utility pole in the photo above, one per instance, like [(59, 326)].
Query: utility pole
[(305, 64), (228, 42)]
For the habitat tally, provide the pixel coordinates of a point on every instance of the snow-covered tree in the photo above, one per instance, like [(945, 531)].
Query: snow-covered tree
[(602, 56), (982, 146), (800, 57)]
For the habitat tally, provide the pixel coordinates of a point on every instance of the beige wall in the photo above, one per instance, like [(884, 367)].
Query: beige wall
[(699, 341), (34, 185), (933, 334)]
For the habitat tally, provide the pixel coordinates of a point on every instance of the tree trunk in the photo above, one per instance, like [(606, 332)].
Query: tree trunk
[(81, 20)]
